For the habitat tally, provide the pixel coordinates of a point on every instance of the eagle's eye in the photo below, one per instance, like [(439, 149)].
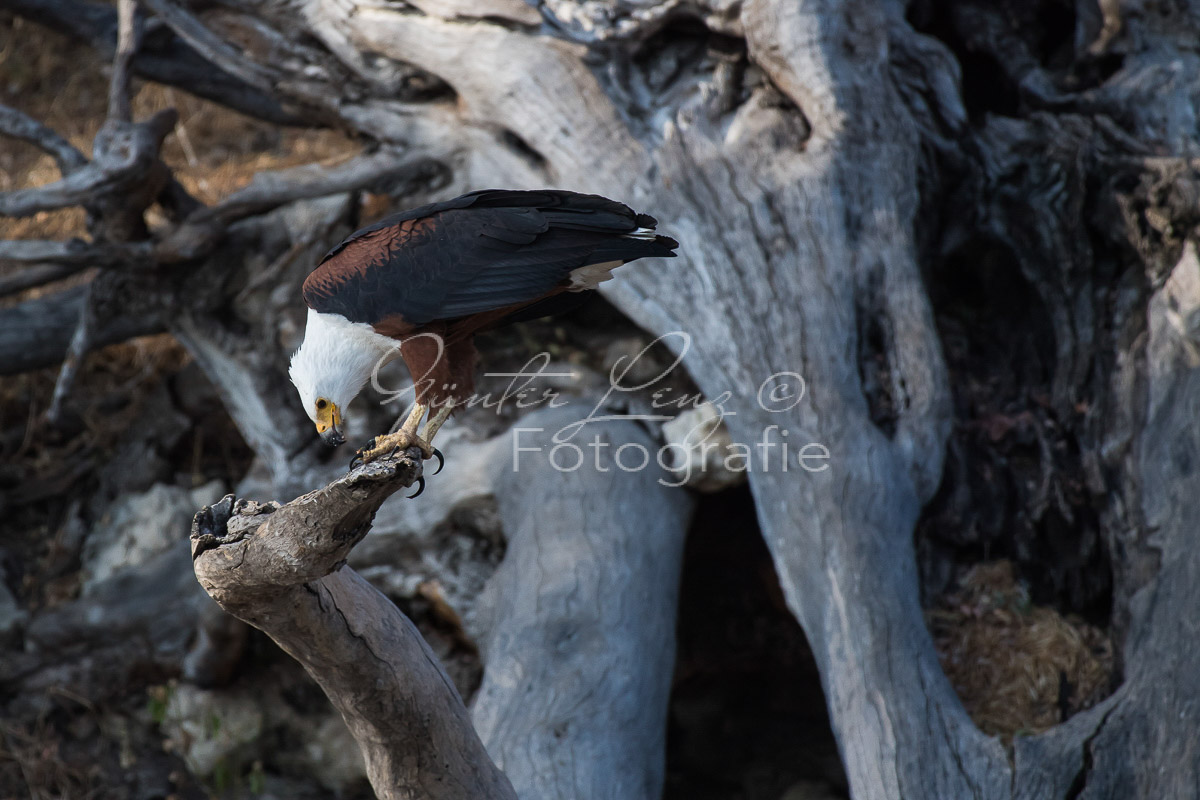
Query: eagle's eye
[(321, 404)]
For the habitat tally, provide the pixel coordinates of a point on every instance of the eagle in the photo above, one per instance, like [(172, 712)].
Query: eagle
[(420, 284)]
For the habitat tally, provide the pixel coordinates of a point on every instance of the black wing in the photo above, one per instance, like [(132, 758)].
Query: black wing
[(479, 252)]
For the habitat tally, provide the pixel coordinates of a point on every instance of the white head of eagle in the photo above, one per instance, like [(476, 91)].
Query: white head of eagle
[(334, 362)]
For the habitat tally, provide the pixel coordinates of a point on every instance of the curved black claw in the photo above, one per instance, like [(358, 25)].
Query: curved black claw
[(358, 459), (441, 461), (420, 488)]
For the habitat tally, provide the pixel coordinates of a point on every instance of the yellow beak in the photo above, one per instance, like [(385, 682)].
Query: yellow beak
[(329, 423)]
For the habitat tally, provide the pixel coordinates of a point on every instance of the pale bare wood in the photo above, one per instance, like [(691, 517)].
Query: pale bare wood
[(578, 621)]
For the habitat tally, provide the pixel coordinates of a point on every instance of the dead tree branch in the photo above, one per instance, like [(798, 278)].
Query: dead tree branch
[(34, 276), (384, 169), (282, 570), (213, 48), (120, 116), (128, 36), (17, 125), (122, 158), (163, 57), (78, 188), (75, 253), (82, 341)]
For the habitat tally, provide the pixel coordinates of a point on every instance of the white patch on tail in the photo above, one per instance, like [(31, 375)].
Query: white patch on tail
[(592, 275), (643, 233)]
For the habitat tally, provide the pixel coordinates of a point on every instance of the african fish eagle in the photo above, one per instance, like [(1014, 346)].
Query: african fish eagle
[(421, 283)]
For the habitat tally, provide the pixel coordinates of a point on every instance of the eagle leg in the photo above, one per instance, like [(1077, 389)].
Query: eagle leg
[(437, 420), (402, 439)]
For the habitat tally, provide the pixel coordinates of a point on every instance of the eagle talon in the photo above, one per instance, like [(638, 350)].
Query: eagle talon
[(420, 488), (441, 461), (393, 445)]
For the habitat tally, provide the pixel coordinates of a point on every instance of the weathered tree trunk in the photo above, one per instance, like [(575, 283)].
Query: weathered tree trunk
[(579, 620), (810, 157), (790, 175), (799, 245)]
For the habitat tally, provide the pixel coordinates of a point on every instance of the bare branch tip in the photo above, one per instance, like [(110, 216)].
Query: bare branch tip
[(128, 40), (226, 522)]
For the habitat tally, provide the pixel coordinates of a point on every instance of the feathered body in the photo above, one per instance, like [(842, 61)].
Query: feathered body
[(421, 283)]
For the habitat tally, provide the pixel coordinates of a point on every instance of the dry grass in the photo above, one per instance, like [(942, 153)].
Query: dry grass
[(1018, 668), (62, 85), (29, 758)]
